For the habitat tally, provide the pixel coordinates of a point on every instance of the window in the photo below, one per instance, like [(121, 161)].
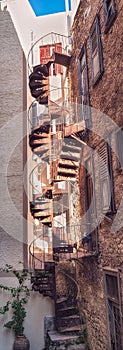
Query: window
[(106, 179), (109, 14), (89, 187), (96, 51), (58, 67), (119, 145), (112, 289), (54, 71), (90, 240), (84, 82)]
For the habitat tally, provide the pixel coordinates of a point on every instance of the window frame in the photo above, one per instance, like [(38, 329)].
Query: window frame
[(98, 49), (109, 20)]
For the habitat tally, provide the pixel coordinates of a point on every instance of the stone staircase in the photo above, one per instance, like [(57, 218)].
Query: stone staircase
[(66, 331)]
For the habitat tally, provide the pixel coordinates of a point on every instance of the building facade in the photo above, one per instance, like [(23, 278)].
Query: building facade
[(13, 143), (96, 76)]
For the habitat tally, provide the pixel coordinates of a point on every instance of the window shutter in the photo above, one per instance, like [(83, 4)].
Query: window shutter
[(119, 143), (106, 178), (96, 50), (109, 13), (58, 67), (45, 55), (42, 54), (84, 82)]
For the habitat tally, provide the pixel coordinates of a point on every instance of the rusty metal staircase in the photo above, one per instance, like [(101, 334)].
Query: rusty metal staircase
[(55, 143)]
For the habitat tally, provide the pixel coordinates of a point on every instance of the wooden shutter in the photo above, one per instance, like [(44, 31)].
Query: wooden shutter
[(45, 55), (84, 84), (119, 141), (83, 78), (106, 178), (109, 13), (96, 51), (58, 67), (42, 54)]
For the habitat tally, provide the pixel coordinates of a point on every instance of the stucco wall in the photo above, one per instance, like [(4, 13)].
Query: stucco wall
[(37, 308)]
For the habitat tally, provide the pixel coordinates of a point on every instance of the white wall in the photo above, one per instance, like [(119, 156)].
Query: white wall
[(38, 307), (25, 21)]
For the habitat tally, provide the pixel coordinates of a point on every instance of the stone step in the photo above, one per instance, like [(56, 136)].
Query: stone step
[(59, 339), (77, 347), (61, 303), (67, 322), (76, 328), (64, 302), (68, 311), (48, 293)]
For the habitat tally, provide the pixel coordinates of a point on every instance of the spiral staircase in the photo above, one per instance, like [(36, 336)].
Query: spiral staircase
[(54, 138)]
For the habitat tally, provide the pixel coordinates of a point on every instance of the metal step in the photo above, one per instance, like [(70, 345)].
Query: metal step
[(66, 163), (38, 136), (49, 266), (43, 128), (72, 142), (66, 174), (70, 148), (38, 143), (63, 249), (70, 156), (67, 171), (41, 151)]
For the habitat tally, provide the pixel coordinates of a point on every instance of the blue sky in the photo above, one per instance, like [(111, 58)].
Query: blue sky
[(46, 7)]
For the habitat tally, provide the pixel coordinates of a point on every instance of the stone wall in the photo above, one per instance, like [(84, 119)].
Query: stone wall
[(106, 108)]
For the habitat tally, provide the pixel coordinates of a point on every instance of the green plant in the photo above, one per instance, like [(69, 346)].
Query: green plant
[(18, 300)]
